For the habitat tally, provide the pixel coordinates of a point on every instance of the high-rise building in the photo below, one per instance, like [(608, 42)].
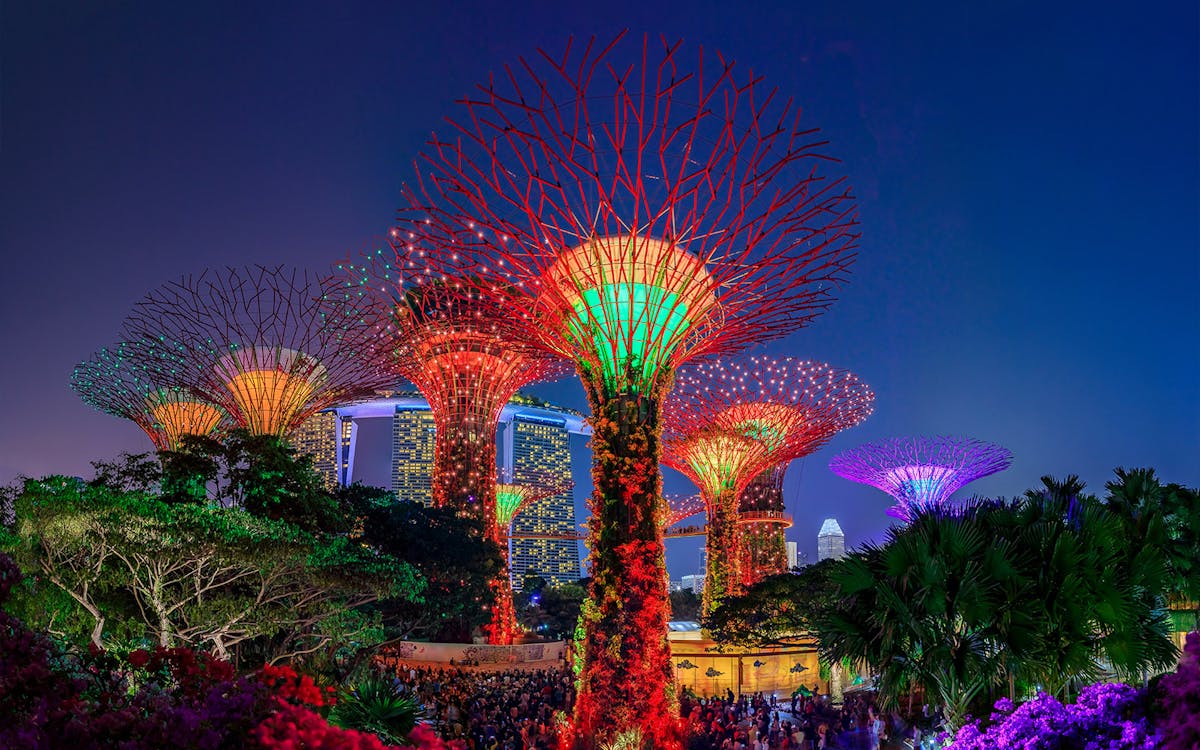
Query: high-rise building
[(831, 542), (412, 453), (534, 443), (791, 555), (694, 582), (318, 437), (536, 447)]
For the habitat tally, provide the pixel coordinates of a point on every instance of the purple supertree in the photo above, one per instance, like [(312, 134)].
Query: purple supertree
[(920, 472)]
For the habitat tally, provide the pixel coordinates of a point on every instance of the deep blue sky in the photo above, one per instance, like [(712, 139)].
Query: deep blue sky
[(1027, 175)]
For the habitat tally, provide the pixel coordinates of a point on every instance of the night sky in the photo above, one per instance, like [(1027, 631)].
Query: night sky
[(1027, 175)]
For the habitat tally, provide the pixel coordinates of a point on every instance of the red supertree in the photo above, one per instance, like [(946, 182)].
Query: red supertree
[(464, 352), (727, 422), (639, 206), (511, 499), (121, 381), (270, 346), (763, 521)]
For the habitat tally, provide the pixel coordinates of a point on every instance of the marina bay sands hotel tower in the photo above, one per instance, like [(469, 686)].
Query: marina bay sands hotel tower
[(533, 441)]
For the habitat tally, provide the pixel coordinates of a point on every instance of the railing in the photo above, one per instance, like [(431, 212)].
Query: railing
[(765, 516)]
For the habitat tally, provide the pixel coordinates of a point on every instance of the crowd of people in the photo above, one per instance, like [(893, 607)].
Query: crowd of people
[(491, 710), (513, 709)]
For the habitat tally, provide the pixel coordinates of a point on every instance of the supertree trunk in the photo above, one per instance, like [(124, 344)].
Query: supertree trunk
[(627, 688), (503, 627), (765, 552), (723, 573), (464, 464)]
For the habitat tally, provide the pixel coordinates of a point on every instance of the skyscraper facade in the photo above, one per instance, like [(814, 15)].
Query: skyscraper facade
[(536, 447), (319, 437), (412, 453), (534, 441), (831, 542)]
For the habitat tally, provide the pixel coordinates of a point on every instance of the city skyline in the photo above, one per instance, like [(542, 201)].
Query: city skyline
[(1008, 160)]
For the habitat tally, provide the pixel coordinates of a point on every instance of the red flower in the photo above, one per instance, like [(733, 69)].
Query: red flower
[(139, 658)]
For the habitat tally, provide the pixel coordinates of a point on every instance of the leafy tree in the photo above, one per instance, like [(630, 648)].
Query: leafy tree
[(779, 610), (1097, 579), (552, 611), (197, 574), (450, 551), (923, 608), (1165, 517), (685, 605)]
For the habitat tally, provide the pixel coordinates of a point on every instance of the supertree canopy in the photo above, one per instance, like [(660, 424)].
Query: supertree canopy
[(465, 353), (270, 346), (511, 499), (920, 472), (120, 381), (638, 205), (727, 422)]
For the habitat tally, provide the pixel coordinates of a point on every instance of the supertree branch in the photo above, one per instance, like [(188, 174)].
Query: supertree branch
[(763, 521), (727, 422), (920, 472), (270, 346), (511, 499), (680, 507), (636, 206), (121, 381), (467, 354)]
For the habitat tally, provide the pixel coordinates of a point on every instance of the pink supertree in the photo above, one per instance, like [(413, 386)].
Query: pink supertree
[(467, 354), (511, 499), (270, 346), (726, 422), (920, 472), (638, 206)]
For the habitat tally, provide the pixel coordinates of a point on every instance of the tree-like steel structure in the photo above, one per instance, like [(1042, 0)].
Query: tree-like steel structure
[(763, 520), (511, 499), (467, 353), (726, 422), (121, 381), (639, 206), (920, 472), (270, 346)]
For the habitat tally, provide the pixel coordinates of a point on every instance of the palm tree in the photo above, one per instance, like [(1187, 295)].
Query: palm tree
[(933, 606)]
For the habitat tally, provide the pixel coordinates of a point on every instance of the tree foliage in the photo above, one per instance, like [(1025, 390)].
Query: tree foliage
[(233, 547), (450, 551), (779, 610)]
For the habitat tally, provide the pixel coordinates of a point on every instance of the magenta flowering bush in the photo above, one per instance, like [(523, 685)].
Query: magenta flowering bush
[(1180, 702), (1106, 717)]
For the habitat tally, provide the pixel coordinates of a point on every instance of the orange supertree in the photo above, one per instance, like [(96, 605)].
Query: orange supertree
[(639, 205), (467, 354), (511, 499), (270, 346), (726, 422), (763, 519), (121, 380)]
